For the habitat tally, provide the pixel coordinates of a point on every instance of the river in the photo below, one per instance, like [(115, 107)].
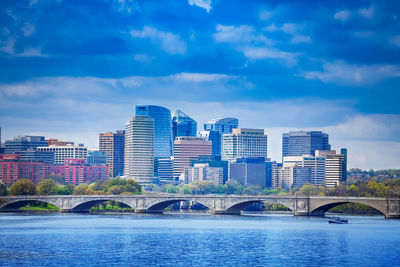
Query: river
[(56, 239)]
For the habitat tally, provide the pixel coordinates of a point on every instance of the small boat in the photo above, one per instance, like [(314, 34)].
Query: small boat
[(338, 220)]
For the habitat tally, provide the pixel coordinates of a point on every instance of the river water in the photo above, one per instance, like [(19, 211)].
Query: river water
[(195, 240)]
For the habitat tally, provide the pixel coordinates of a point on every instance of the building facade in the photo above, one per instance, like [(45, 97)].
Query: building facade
[(139, 149), (249, 171), (244, 143), (96, 157), (214, 130), (183, 125), (61, 153), (315, 164), (186, 149), (162, 128), (300, 143), (203, 172), (23, 143), (113, 145)]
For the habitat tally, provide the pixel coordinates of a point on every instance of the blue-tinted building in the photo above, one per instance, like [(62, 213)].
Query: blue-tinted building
[(183, 125), (214, 129), (249, 171), (300, 143), (96, 157), (162, 128), (23, 143), (213, 161)]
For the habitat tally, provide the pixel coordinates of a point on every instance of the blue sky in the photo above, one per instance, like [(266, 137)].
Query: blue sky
[(72, 69)]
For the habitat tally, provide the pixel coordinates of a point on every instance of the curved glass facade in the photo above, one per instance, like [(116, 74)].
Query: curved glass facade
[(162, 128)]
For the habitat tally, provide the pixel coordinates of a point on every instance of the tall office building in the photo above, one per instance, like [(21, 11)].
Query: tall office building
[(165, 170), (214, 129), (316, 165), (213, 161), (334, 165), (23, 143), (61, 153), (186, 149), (244, 143), (183, 125), (343, 151), (139, 149), (203, 172), (300, 143), (162, 128), (96, 157), (113, 145), (249, 171)]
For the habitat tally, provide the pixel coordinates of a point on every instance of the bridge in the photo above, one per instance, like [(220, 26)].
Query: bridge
[(217, 204)]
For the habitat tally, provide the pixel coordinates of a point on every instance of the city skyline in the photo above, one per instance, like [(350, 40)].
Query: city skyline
[(330, 67)]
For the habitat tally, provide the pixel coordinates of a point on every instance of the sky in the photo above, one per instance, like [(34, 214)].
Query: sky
[(72, 69)]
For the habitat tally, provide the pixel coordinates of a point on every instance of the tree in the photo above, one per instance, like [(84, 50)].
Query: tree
[(81, 189), (116, 190), (98, 186), (65, 189), (3, 190), (47, 187), (56, 178), (23, 187), (135, 184)]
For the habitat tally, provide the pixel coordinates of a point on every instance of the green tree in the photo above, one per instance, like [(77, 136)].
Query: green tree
[(47, 187), (3, 190), (116, 190), (23, 187), (98, 186), (81, 189), (56, 178), (135, 184)]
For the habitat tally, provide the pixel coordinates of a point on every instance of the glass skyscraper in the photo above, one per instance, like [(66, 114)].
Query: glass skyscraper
[(162, 128), (300, 143), (214, 129), (183, 125)]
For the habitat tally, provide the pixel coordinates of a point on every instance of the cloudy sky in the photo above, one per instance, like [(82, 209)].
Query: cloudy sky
[(71, 69)]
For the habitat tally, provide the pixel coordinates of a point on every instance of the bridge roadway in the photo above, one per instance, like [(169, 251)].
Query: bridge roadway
[(217, 204)]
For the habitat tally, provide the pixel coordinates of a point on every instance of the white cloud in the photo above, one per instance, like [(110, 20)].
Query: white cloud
[(367, 13), (199, 77), (7, 46), (170, 42), (289, 28), (257, 53), (28, 29), (343, 73), (206, 4), (126, 6), (299, 39), (342, 15), (32, 52), (141, 58), (395, 40), (239, 35)]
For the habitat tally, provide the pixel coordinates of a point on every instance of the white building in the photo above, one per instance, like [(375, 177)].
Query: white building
[(334, 164), (203, 172), (243, 143), (139, 149), (61, 153)]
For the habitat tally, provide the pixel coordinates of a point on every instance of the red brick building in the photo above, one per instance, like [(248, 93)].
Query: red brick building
[(13, 169)]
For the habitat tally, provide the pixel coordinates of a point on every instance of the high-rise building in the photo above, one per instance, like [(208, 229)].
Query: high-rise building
[(38, 156), (300, 143), (113, 145), (203, 172), (244, 143), (139, 149), (276, 175), (22, 143), (334, 165), (96, 157), (162, 128), (214, 129), (165, 170), (183, 125), (61, 153), (316, 164), (186, 149), (248, 171), (343, 151)]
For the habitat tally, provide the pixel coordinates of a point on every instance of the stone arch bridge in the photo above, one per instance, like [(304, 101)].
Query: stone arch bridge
[(217, 204)]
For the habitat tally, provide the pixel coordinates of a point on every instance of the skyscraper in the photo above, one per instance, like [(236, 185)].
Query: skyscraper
[(61, 153), (139, 149), (300, 143), (23, 143), (183, 125), (214, 129), (343, 151), (113, 145), (244, 143), (186, 149), (162, 128)]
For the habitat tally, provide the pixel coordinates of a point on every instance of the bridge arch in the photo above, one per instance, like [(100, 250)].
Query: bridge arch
[(84, 207), (321, 209), (159, 206), (15, 204), (239, 206)]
